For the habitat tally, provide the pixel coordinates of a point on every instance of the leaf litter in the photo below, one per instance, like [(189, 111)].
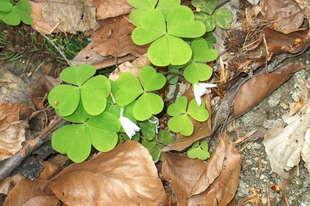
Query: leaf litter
[(217, 178)]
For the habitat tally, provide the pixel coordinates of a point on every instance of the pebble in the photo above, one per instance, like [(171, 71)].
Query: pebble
[(256, 146), (274, 99)]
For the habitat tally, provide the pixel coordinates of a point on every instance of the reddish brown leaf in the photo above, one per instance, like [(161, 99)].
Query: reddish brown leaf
[(123, 176), (218, 183), (196, 182), (119, 44), (183, 173), (30, 193), (260, 86), (201, 129), (38, 20), (111, 8)]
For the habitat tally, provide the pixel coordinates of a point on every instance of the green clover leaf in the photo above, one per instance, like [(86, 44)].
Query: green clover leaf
[(72, 140), (167, 48), (94, 93), (75, 140), (77, 75), (197, 70), (180, 122), (65, 99), (6, 5), (165, 137), (148, 130), (12, 15), (199, 151), (78, 116), (142, 7), (165, 6), (129, 88), (222, 17)]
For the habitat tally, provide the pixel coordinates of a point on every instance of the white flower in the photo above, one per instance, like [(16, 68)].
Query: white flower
[(129, 127), (201, 89)]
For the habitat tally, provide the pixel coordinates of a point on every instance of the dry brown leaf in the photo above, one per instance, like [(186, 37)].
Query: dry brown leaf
[(9, 113), (201, 129), (124, 176), (196, 182), (119, 44), (11, 139), (287, 15), (218, 183), (70, 15), (111, 8), (36, 14), (260, 86), (132, 67), (183, 173), (286, 145), (30, 193)]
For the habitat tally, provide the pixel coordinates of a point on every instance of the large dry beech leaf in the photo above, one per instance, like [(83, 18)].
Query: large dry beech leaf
[(70, 15), (201, 129), (9, 113), (286, 15), (30, 193), (257, 88), (286, 145), (124, 176), (111, 8), (196, 182), (119, 43)]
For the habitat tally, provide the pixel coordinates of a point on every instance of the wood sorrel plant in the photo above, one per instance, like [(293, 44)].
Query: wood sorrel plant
[(105, 112)]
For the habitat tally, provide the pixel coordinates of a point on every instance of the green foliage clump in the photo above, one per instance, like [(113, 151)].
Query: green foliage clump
[(199, 150), (13, 14)]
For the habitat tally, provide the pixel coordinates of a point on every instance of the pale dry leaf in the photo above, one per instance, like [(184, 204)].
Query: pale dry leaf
[(70, 15), (285, 145), (30, 193), (219, 181), (124, 176), (38, 21), (132, 67), (119, 44), (9, 113), (4, 186), (11, 139), (111, 8)]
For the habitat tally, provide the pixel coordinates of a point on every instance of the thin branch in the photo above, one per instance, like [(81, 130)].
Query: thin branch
[(31, 145)]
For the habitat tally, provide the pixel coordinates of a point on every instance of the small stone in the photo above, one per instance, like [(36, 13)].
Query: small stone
[(274, 99), (262, 177), (268, 123), (264, 200), (256, 146), (284, 106), (249, 162)]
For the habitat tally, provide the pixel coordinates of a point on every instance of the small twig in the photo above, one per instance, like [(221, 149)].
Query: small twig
[(268, 196), (55, 46), (30, 146)]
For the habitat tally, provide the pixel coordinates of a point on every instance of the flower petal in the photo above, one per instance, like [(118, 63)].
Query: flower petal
[(129, 127)]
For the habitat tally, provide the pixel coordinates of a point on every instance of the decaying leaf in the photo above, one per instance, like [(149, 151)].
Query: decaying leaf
[(286, 145), (119, 43), (11, 139), (196, 182), (260, 86), (132, 67), (111, 45), (201, 129), (124, 176), (30, 193), (286, 15), (9, 113), (70, 15), (38, 21), (111, 8)]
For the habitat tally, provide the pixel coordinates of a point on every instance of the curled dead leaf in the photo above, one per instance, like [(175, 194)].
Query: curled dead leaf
[(111, 8)]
